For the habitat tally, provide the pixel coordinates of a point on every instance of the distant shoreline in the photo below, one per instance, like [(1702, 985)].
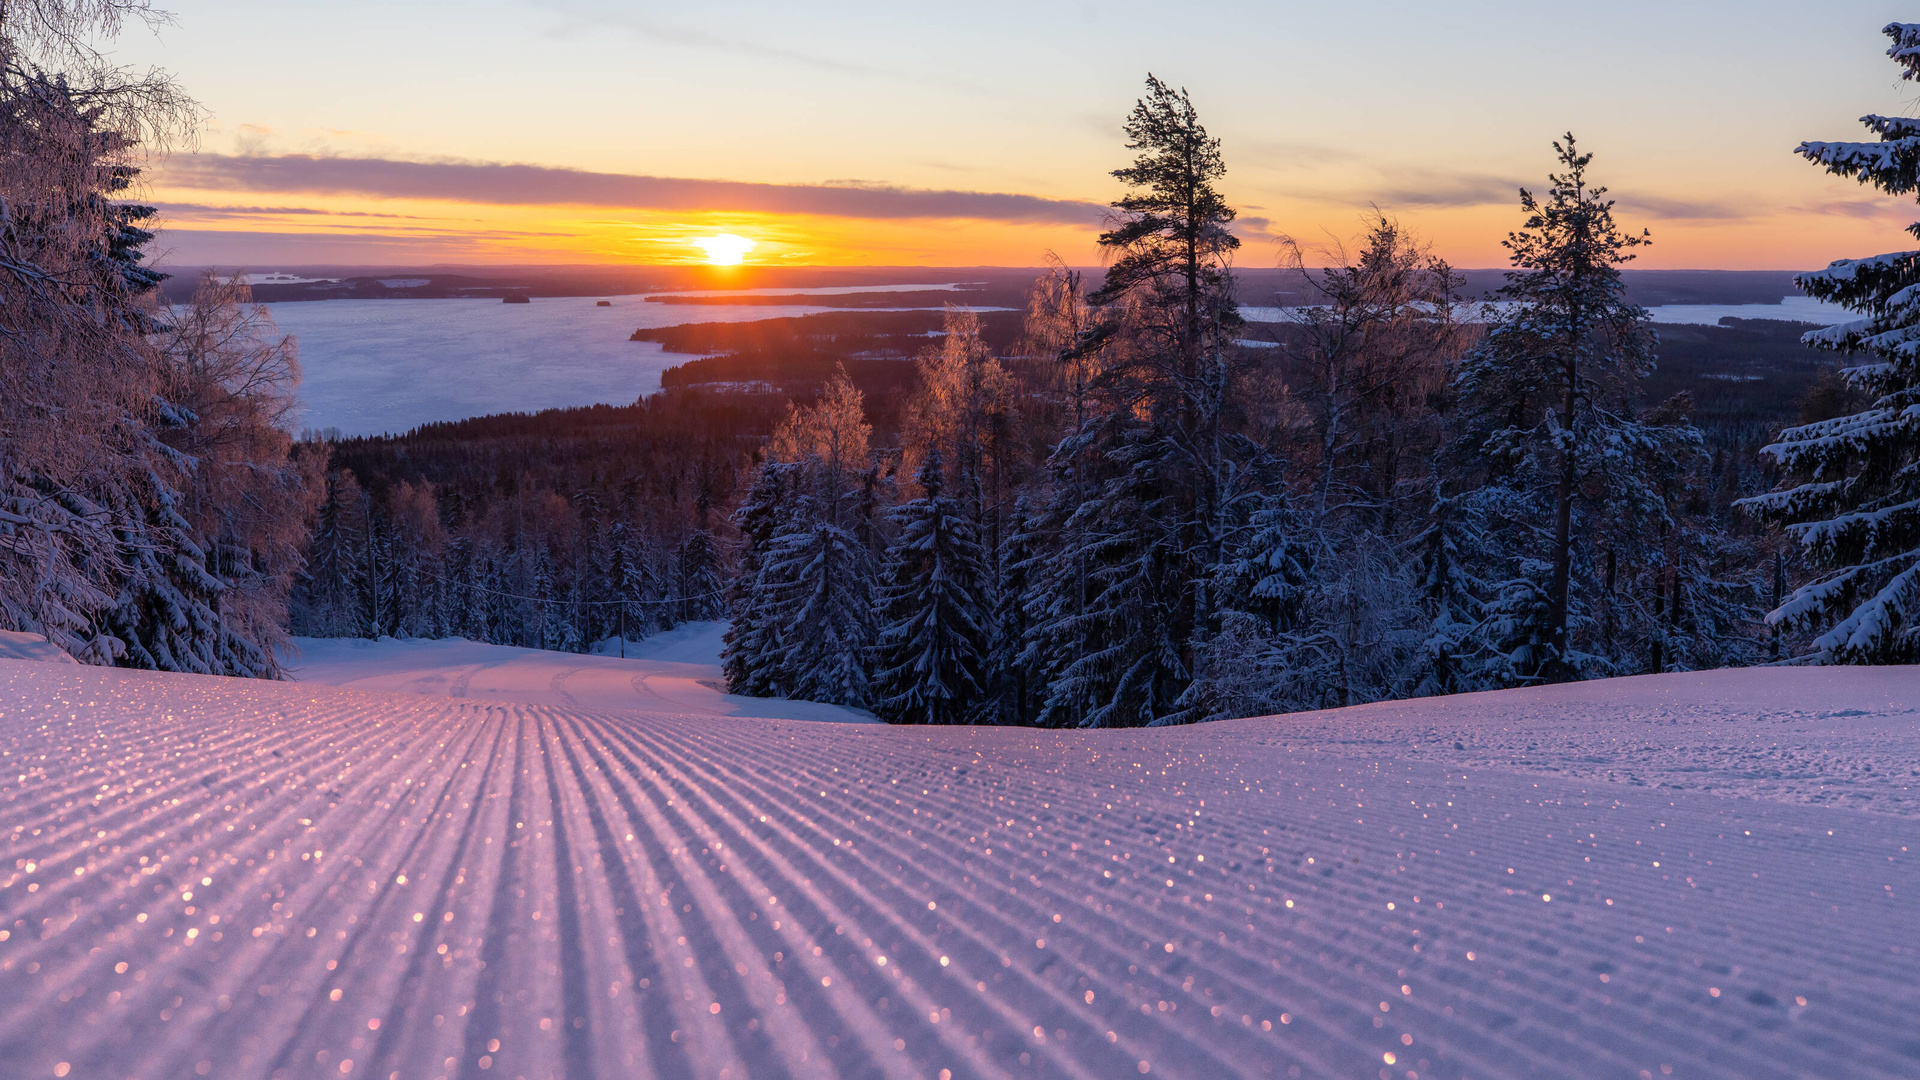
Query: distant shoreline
[(974, 286)]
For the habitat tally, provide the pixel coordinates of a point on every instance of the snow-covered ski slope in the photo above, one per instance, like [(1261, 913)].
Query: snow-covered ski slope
[(675, 671), (1634, 879)]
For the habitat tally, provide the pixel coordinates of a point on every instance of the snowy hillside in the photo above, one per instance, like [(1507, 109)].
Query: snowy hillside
[(1629, 879)]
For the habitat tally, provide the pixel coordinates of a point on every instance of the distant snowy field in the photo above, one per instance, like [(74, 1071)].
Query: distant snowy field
[(1681, 875)]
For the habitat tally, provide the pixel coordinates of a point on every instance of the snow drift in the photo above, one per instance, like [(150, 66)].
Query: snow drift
[(1632, 879), (17, 645)]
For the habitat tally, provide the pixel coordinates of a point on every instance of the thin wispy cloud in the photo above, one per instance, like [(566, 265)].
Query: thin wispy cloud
[(666, 33), (1654, 206), (577, 18), (1866, 209), (536, 185), (208, 210), (1283, 155), (1399, 188), (1442, 190)]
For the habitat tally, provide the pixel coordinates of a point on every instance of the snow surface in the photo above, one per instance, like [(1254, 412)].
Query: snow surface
[(1633, 879), (676, 671)]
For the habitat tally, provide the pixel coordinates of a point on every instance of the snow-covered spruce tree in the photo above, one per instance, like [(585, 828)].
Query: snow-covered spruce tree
[(752, 646), (698, 585), (1547, 403), (214, 598), (503, 578), (379, 572), (930, 646), (965, 409), (499, 576), (77, 384), (818, 582), (1008, 696), (326, 599), (548, 614), (592, 569), (1269, 656), (1854, 501), (1046, 555), (568, 617), (163, 611), (644, 591), (812, 596), (1671, 595), (465, 606), (1163, 469), (418, 566), (1447, 555), (620, 577)]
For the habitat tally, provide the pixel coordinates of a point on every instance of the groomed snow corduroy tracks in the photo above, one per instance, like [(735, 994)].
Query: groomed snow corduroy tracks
[(232, 879)]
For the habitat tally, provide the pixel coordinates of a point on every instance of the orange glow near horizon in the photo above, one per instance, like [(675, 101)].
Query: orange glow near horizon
[(372, 231)]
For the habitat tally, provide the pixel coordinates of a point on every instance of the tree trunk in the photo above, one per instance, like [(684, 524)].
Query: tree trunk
[(1557, 669), (1779, 597), (1658, 661)]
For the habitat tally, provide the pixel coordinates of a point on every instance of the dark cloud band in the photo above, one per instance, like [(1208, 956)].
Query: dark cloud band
[(534, 185)]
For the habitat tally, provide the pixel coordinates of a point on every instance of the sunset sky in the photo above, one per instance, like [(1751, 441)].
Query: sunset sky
[(409, 131)]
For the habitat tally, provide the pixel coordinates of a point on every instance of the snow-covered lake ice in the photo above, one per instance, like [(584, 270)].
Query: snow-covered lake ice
[(1790, 309), (374, 366), (1704, 875)]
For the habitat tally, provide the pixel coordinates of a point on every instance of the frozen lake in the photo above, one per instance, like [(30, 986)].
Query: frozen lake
[(1790, 309), (373, 366)]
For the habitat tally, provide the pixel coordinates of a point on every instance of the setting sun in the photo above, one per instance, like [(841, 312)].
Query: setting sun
[(725, 249)]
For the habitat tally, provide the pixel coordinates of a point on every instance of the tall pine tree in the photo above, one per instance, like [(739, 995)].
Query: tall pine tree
[(1549, 404), (1158, 467)]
